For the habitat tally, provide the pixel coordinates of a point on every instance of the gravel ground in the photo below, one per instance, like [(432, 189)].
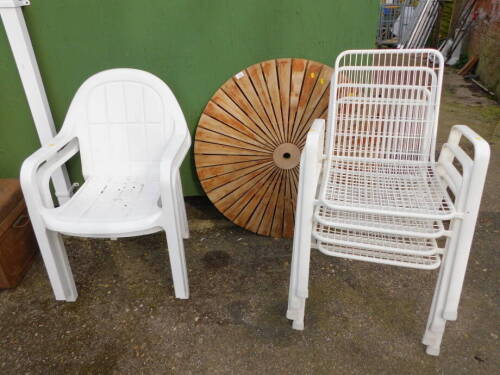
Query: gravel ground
[(360, 318)]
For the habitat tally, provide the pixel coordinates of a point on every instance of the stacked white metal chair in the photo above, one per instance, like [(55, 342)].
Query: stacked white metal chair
[(374, 192), (132, 138)]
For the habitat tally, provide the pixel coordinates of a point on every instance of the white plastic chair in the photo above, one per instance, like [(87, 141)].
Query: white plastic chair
[(132, 138), (375, 193)]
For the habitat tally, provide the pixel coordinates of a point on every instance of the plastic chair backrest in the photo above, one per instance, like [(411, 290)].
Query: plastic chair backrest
[(123, 119), (385, 105)]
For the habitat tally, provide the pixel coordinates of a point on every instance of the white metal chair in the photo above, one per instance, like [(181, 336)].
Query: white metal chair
[(374, 192), (132, 138)]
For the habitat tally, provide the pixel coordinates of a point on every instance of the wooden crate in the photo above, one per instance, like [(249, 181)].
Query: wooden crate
[(17, 241)]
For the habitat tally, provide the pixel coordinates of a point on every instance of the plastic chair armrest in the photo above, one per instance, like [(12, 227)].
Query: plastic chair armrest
[(45, 160)]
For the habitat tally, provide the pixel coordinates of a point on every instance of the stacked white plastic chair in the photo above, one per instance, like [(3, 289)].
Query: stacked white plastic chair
[(132, 138), (374, 191)]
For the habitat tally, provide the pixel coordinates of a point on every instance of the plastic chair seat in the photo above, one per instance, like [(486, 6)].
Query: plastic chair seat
[(108, 206), (396, 188)]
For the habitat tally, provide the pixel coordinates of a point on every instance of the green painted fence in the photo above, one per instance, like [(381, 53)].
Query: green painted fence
[(193, 45)]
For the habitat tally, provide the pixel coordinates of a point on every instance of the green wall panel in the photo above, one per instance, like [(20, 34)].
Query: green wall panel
[(193, 45)]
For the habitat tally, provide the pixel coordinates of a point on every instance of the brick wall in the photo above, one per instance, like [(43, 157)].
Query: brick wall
[(484, 41)]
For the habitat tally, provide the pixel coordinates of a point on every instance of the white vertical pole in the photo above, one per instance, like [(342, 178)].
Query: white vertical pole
[(20, 43)]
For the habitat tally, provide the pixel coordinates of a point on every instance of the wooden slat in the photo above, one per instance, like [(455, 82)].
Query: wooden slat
[(235, 196), (216, 126), (254, 223), (251, 217), (243, 89), (271, 76), (309, 81), (297, 78), (204, 160), (317, 94), (469, 65), (237, 202), (277, 226), (318, 111), (259, 84), (202, 147), (214, 182), (229, 140), (284, 75), (233, 101), (265, 226), (217, 170), (212, 110), (289, 207), (220, 192)]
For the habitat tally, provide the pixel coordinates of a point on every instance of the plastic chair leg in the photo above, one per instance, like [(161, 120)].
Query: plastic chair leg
[(299, 276), (176, 252), (296, 304), (293, 300), (298, 321), (301, 289), (436, 322), (57, 264), (182, 209)]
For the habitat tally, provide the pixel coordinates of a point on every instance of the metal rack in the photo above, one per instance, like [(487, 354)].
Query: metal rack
[(393, 19)]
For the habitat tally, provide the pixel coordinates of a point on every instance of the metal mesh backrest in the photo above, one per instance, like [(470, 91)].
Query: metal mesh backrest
[(384, 105)]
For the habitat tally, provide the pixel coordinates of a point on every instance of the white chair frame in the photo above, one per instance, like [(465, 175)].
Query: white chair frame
[(383, 232), (129, 189)]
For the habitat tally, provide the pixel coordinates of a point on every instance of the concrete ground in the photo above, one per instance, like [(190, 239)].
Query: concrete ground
[(360, 318)]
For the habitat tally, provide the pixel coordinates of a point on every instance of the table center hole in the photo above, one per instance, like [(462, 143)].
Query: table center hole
[(286, 155)]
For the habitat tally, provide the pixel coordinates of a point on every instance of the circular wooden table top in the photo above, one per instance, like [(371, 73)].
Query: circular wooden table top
[(249, 138)]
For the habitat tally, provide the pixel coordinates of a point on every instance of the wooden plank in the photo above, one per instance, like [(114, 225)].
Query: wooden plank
[(213, 125), (297, 77), (247, 91), (309, 82), (239, 104), (217, 170), (259, 84), (212, 183), (255, 198), (277, 226), (213, 110), (237, 202), (254, 223), (320, 110), (322, 86), (220, 192), (267, 220), (469, 65), (284, 76), (221, 139), (202, 147), (289, 207), (205, 160), (271, 77)]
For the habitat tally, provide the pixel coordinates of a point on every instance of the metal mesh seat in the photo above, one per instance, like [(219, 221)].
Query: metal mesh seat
[(376, 222), (386, 187), (389, 243), (426, 262)]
